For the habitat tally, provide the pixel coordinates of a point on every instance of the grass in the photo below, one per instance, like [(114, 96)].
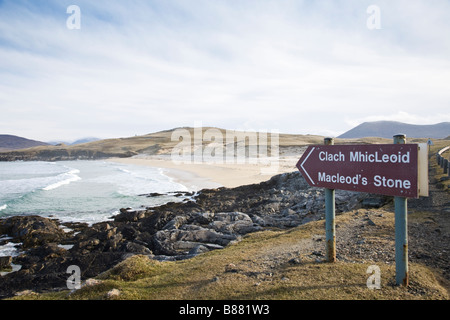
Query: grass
[(243, 271), (238, 272)]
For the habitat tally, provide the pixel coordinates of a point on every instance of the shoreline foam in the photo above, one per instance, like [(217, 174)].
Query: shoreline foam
[(197, 176)]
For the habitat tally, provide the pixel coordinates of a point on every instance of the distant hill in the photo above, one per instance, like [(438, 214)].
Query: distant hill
[(387, 129), (10, 142), (158, 143), (84, 140), (79, 141)]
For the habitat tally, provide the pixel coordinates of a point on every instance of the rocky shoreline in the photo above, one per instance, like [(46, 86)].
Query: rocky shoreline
[(208, 220), (62, 154)]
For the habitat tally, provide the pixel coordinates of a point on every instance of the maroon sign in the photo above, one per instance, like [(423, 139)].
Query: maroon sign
[(389, 169)]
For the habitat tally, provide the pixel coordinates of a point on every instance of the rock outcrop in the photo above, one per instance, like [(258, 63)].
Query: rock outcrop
[(209, 220)]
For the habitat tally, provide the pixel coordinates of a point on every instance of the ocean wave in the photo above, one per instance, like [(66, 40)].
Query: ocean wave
[(138, 173), (9, 249), (67, 178), (3, 207), (124, 170)]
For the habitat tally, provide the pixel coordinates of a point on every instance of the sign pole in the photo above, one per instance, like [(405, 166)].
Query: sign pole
[(401, 231), (398, 170), (330, 228)]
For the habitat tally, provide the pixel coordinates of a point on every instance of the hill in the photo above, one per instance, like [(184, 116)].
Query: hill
[(161, 143), (10, 142), (84, 140), (387, 129), (78, 141), (158, 143)]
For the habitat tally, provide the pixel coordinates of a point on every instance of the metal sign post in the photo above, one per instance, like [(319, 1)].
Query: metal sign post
[(330, 228), (401, 232), (399, 170)]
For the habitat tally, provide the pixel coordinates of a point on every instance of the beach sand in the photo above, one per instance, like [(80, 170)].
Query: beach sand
[(197, 176)]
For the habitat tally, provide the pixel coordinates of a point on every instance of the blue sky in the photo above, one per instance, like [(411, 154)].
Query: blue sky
[(135, 67)]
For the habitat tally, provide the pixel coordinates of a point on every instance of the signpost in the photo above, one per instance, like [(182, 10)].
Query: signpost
[(398, 170), (430, 143), (381, 169)]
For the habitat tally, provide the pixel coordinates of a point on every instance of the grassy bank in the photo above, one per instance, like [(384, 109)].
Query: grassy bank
[(249, 270), (289, 264)]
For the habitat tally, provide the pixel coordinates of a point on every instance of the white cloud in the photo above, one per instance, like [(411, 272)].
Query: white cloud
[(294, 66)]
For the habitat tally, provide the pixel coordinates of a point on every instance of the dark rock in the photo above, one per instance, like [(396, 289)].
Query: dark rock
[(128, 215), (129, 232), (295, 261), (35, 258), (154, 194), (210, 220), (182, 241), (233, 223), (136, 248), (375, 202), (5, 263), (204, 218), (370, 222), (32, 230)]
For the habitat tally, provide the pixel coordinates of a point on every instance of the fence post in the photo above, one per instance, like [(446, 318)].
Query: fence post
[(401, 232), (330, 228)]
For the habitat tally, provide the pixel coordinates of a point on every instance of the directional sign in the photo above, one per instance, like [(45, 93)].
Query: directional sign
[(389, 169)]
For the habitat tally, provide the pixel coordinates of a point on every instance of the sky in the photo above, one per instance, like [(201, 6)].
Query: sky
[(121, 68)]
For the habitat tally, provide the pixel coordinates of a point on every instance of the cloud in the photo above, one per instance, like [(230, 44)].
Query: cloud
[(296, 66)]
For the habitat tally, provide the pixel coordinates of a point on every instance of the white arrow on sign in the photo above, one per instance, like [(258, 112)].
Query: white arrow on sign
[(301, 165)]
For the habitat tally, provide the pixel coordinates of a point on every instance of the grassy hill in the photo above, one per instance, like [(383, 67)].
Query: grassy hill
[(159, 143)]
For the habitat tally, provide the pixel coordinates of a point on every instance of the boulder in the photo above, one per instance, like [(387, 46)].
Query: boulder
[(129, 215), (234, 223), (176, 222), (32, 230), (181, 241)]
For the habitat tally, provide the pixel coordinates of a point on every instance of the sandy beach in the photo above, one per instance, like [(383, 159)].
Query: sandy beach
[(196, 176)]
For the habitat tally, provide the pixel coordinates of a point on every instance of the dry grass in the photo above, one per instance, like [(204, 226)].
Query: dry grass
[(245, 271), (163, 142)]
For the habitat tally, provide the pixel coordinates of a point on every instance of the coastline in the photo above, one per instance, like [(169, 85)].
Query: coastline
[(197, 176), (182, 230)]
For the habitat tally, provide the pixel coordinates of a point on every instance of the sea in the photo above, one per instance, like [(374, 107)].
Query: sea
[(80, 191)]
